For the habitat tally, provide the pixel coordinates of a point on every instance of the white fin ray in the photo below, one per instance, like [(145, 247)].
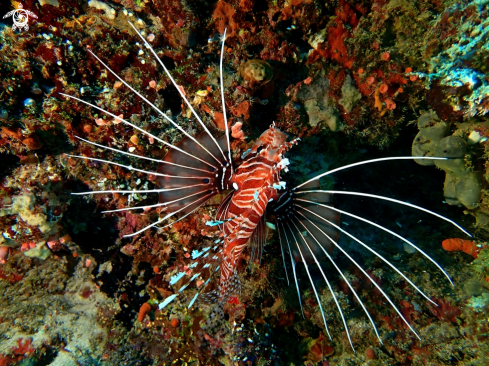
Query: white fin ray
[(158, 190), (314, 287), (183, 97), (283, 256), (373, 252), (338, 269), (362, 270), (388, 231), (223, 100), (128, 167), (367, 162), (140, 156), (327, 282), (391, 200), (170, 215), (138, 129), (159, 111), (293, 267), (156, 204)]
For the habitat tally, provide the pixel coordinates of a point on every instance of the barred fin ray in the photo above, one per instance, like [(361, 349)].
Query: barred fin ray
[(284, 206), (233, 288), (199, 265), (202, 261), (222, 211)]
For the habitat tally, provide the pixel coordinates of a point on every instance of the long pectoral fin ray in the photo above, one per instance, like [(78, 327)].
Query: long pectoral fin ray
[(214, 177)]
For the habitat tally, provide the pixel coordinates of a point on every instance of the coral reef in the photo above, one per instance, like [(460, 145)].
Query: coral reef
[(349, 78)]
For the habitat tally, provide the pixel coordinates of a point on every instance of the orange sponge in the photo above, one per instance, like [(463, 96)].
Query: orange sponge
[(143, 311), (466, 246)]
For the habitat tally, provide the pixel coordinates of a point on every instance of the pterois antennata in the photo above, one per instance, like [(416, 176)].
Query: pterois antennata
[(201, 167)]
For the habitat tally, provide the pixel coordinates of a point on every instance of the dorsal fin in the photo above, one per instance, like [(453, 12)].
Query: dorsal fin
[(193, 178)]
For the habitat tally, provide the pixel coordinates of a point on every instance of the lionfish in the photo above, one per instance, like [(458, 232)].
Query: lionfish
[(199, 168)]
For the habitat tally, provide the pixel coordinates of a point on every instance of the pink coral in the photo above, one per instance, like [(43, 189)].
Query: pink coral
[(236, 131)]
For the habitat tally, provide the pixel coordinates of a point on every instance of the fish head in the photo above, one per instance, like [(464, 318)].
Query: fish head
[(271, 144)]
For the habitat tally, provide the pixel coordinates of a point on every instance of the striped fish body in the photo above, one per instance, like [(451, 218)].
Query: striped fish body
[(256, 182)]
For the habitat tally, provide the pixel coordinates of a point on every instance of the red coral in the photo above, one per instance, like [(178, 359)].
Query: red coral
[(446, 312), (242, 109), (336, 45), (23, 348), (10, 277), (223, 16), (347, 15)]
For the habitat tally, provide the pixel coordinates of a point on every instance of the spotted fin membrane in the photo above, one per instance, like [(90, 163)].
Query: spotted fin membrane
[(308, 225)]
